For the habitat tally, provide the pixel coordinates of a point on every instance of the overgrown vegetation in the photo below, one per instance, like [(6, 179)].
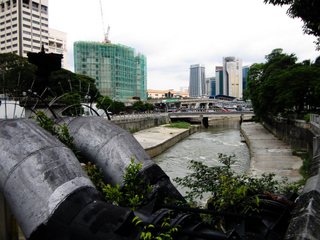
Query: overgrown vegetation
[(134, 192), (306, 164), (179, 124), (229, 190), (61, 132)]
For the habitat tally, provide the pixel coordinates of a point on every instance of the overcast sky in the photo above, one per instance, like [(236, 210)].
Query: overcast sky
[(174, 34)]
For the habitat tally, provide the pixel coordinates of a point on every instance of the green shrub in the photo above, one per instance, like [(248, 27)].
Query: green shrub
[(225, 187), (179, 124), (134, 192)]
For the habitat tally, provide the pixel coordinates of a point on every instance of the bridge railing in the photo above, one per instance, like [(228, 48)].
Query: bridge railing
[(315, 121), (125, 117)]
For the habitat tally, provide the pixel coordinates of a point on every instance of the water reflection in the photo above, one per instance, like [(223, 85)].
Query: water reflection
[(205, 146)]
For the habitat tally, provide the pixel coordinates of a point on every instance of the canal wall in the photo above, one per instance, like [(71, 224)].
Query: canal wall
[(298, 134), (133, 123)]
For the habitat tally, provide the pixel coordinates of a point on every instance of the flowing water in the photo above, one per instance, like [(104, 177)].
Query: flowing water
[(205, 146)]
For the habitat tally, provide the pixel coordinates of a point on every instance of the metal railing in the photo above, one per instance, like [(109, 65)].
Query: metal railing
[(315, 120), (126, 117)]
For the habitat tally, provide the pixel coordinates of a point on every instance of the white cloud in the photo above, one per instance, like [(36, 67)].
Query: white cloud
[(175, 34)]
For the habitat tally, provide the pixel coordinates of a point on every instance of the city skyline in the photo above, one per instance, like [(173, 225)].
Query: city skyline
[(172, 40)]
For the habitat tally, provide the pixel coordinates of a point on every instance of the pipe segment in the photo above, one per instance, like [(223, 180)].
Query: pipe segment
[(110, 147), (37, 172)]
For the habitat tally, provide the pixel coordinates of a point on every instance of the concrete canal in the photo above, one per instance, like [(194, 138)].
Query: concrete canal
[(205, 146)]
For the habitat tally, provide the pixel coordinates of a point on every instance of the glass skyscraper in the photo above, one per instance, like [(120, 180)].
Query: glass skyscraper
[(197, 80)]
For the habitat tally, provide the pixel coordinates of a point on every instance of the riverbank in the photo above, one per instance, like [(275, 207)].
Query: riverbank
[(158, 139), (269, 154)]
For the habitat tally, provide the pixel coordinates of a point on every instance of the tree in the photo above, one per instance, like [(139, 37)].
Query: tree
[(281, 84), (148, 106), (113, 106), (307, 10), (119, 107), (138, 106), (17, 74), (106, 103)]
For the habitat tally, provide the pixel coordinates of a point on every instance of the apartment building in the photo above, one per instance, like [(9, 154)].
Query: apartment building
[(23, 26), (58, 44)]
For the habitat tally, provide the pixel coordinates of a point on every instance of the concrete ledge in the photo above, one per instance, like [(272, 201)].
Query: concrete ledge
[(161, 147)]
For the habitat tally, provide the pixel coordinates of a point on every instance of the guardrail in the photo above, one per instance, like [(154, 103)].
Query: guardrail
[(126, 117), (315, 121)]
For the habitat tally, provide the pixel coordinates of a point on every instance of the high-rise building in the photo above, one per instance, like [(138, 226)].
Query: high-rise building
[(245, 70), (23, 26), (213, 87), (232, 77), (197, 80), (58, 44), (210, 86), (219, 80), (120, 72)]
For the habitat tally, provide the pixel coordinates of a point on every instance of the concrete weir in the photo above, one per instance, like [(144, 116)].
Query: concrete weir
[(158, 139)]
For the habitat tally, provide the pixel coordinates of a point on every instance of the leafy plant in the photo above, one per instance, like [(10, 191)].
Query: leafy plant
[(307, 117), (306, 165), (61, 132), (134, 191), (158, 233), (96, 175), (228, 189)]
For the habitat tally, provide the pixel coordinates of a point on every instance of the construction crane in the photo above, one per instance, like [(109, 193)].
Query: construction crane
[(106, 34)]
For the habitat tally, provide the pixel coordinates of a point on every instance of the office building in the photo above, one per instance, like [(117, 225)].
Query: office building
[(197, 80), (219, 80), (210, 86), (245, 70), (23, 26), (120, 72), (232, 77), (58, 44)]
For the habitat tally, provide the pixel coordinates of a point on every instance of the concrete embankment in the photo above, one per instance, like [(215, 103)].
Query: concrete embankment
[(269, 154), (158, 139)]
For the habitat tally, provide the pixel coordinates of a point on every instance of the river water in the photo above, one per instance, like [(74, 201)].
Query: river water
[(204, 146)]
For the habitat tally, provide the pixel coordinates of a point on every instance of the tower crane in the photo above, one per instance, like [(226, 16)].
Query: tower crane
[(106, 34)]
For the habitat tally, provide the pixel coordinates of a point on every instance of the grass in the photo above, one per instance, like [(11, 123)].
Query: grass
[(179, 124), (306, 164), (134, 130)]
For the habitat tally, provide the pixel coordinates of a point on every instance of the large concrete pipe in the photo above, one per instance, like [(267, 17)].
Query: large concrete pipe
[(47, 189), (111, 148)]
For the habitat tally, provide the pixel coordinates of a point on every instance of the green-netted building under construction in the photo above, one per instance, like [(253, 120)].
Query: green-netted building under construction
[(120, 71)]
